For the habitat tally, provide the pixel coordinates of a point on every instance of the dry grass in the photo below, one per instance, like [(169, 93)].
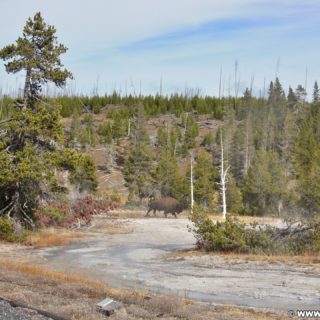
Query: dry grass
[(250, 219), (75, 297), (303, 259), (51, 238)]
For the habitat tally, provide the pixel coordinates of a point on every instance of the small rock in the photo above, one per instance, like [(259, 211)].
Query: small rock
[(109, 306)]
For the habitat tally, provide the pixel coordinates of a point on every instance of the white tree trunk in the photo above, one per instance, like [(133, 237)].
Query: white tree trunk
[(246, 163), (191, 183), (129, 127), (223, 181)]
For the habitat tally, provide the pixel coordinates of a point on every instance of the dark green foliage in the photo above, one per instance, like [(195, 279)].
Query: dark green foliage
[(37, 53), (264, 184), (84, 174), (316, 94), (229, 236), (105, 132), (138, 168), (208, 140), (120, 122), (204, 175), (81, 167), (234, 196), (32, 140), (152, 105), (169, 182), (307, 160), (169, 139), (6, 230), (234, 236), (191, 131), (87, 134)]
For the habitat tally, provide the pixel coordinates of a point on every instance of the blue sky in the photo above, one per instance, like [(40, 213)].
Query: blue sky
[(118, 44)]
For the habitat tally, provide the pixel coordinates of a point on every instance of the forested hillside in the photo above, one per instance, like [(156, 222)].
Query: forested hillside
[(271, 146)]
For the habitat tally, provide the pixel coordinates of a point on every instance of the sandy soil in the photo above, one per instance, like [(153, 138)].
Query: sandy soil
[(143, 259)]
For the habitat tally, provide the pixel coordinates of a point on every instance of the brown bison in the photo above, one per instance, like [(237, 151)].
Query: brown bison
[(167, 205)]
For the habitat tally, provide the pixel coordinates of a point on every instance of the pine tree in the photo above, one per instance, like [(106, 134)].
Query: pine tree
[(292, 99), (307, 160), (38, 54), (138, 168), (105, 132), (32, 147), (205, 175), (316, 93), (169, 181), (234, 196), (190, 134), (264, 185)]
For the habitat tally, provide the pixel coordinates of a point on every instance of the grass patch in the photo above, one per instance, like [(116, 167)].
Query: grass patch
[(303, 259), (51, 237)]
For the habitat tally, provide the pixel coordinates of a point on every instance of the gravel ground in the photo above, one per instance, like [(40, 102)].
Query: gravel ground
[(7, 312)]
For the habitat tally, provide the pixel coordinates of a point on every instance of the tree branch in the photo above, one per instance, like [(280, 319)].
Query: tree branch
[(5, 121), (27, 218), (6, 208)]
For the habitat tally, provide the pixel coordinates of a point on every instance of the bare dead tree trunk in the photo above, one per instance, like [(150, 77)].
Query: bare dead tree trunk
[(161, 86), (191, 182), (246, 162), (236, 86), (129, 127), (223, 181), (220, 83)]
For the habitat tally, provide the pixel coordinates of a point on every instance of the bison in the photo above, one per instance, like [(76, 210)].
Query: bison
[(167, 205)]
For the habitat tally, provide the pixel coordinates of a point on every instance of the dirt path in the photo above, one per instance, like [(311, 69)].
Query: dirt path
[(141, 260)]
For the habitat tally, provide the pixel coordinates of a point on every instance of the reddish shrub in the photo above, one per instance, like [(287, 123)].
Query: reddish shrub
[(57, 214)]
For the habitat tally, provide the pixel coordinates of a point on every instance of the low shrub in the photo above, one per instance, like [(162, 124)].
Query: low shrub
[(67, 215), (235, 236), (6, 230)]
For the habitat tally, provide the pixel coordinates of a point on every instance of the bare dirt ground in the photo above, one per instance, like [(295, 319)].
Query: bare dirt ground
[(142, 258)]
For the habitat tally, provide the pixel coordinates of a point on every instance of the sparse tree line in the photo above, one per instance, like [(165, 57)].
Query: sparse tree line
[(176, 104)]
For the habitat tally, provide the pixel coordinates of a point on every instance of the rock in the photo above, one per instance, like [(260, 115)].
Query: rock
[(109, 307)]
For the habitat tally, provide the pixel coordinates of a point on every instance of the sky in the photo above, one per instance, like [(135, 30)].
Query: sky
[(134, 45)]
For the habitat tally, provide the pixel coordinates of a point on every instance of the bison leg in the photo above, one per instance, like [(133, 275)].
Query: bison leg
[(154, 212), (175, 215), (147, 215), (166, 214)]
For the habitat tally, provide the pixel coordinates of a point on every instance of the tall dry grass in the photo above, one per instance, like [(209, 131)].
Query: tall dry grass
[(51, 237)]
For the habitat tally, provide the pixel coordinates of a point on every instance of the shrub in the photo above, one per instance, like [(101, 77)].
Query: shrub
[(51, 215), (234, 236), (66, 215), (6, 230), (115, 198)]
